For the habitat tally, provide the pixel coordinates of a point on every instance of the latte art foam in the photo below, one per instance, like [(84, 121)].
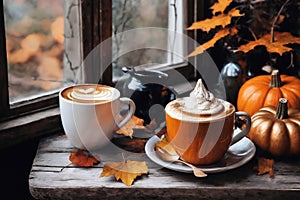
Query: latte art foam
[(90, 93)]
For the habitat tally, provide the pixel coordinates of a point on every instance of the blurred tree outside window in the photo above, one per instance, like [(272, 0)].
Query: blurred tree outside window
[(35, 46), (39, 40)]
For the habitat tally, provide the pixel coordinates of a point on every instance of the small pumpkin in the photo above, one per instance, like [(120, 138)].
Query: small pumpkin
[(277, 130), (265, 90)]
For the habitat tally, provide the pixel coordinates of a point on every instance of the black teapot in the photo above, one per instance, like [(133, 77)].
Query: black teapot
[(150, 93), (232, 77)]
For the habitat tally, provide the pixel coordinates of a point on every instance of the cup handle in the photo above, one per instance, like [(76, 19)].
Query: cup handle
[(130, 112), (238, 136)]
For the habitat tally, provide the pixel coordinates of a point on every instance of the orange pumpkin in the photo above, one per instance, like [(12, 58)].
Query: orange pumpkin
[(277, 130), (265, 90)]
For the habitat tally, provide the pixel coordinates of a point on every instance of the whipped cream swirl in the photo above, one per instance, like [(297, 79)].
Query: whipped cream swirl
[(202, 102)]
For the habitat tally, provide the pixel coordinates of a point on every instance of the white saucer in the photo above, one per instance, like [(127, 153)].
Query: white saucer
[(237, 155)]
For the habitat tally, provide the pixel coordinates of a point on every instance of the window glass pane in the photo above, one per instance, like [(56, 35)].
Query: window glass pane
[(35, 46), (130, 17)]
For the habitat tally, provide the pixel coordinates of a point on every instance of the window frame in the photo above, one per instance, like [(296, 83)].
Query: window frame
[(4, 104), (96, 27)]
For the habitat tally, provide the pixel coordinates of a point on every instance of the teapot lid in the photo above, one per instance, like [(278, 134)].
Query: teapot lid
[(146, 73)]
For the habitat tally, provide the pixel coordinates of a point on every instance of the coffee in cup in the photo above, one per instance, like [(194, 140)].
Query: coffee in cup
[(89, 93), (200, 127), (90, 114)]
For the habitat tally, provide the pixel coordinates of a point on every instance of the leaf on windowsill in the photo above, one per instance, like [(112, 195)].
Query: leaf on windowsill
[(133, 123), (219, 20), (265, 166), (82, 158), (278, 46), (127, 171), (219, 35), (220, 6)]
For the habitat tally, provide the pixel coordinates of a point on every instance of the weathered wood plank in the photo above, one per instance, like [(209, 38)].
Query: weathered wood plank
[(160, 178), (53, 177), (160, 187)]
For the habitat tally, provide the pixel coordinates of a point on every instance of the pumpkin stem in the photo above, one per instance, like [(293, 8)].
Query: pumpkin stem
[(275, 79), (282, 109)]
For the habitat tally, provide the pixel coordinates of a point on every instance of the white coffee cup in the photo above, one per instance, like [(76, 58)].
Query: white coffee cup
[(90, 114)]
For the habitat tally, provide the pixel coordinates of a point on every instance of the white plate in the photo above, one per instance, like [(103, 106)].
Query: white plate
[(237, 155)]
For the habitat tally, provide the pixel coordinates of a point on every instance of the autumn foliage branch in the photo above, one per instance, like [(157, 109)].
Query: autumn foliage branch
[(225, 21)]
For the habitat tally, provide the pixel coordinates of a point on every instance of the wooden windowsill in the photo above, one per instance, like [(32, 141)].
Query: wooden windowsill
[(53, 177), (29, 127)]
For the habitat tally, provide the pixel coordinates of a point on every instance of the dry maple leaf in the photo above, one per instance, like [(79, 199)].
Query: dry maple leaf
[(126, 171), (219, 20), (133, 123), (219, 35), (265, 166), (166, 146), (82, 158), (220, 6), (278, 46)]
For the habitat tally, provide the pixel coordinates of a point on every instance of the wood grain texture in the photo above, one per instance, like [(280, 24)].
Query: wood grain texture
[(29, 127), (53, 177)]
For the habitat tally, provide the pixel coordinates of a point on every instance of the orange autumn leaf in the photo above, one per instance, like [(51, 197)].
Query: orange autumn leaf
[(278, 46), (19, 56), (220, 6), (219, 35), (55, 50), (133, 123), (219, 20), (57, 29), (49, 73), (32, 43), (30, 46), (165, 145), (126, 171), (82, 158), (265, 166)]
